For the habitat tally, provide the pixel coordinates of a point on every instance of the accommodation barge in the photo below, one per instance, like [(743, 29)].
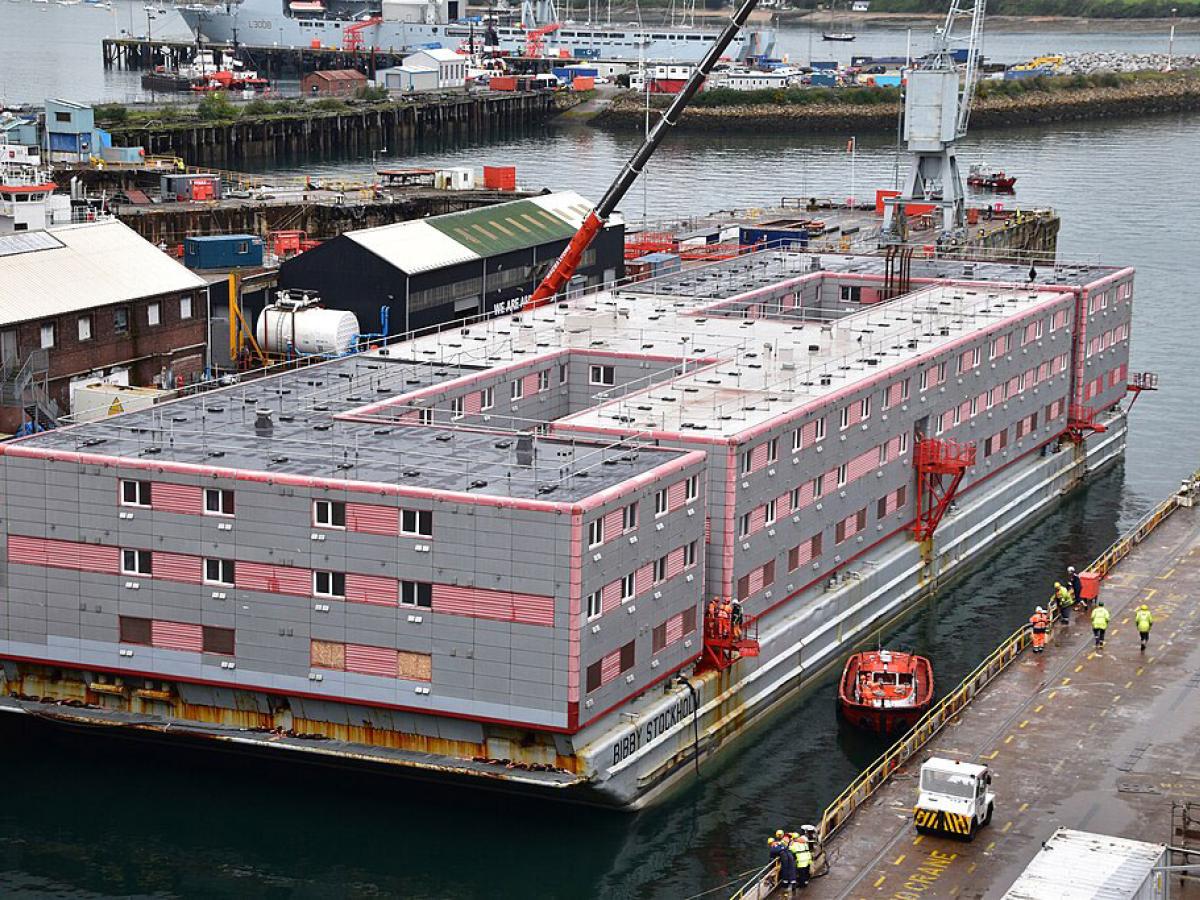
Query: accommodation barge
[(487, 553)]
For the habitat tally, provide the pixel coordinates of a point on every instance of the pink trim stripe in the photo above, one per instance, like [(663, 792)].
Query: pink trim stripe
[(177, 498), (502, 606), (612, 524), (371, 518), (178, 567), (610, 596), (64, 554), (372, 589), (676, 494), (274, 579), (610, 667), (176, 636)]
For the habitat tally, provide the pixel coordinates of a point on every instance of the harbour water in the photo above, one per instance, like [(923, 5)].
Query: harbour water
[(85, 817)]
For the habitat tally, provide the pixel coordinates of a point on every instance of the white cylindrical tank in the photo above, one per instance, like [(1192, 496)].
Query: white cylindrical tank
[(306, 330)]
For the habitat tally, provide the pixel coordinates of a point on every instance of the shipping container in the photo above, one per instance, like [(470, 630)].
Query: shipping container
[(778, 236), (200, 186), (655, 264), (222, 251), (503, 83), (584, 83), (500, 178), (1082, 864)]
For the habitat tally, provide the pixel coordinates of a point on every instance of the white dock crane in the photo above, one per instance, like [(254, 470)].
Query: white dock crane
[(937, 109)]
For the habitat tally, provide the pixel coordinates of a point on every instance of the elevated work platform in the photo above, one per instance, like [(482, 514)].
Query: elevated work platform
[(1098, 741)]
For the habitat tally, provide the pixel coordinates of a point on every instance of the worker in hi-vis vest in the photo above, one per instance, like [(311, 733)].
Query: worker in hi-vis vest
[(1100, 617), (1143, 619)]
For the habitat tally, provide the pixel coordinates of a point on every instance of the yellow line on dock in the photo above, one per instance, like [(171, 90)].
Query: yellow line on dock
[(1079, 667), (1150, 593), (879, 880), (1052, 695), (992, 755), (1128, 685), (1066, 681), (971, 868), (1007, 826), (899, 859), (918, 839), (1140, 670), (1166, 575), (1037, 709), (1022, 807), (1116, 698), (989, 847), (1023, 724), (1008, 740)]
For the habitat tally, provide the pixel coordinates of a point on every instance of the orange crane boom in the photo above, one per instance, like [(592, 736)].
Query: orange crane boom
[(564, 268)]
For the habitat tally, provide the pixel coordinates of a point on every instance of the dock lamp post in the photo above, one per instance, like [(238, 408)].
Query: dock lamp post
[(1171, 41)]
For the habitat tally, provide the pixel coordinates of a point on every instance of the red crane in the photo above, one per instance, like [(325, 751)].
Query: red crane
[(535, 46), (352, 39), (568, 261)]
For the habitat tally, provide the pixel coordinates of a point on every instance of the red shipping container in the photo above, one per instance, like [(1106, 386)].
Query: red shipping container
[(500, 178), (584, 83), (1089, 585), (503, 83)]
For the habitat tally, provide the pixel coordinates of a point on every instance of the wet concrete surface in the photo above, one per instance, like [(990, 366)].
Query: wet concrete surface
[(1097, 741)]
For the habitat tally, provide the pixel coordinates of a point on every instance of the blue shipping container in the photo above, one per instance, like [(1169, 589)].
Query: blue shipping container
[(222, 251), (823, 79), (774, 237)]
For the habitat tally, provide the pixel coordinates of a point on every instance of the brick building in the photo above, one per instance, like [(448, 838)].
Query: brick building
[(92, 301), (332, 83)]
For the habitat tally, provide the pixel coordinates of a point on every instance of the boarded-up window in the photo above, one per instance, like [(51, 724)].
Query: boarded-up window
[(901, 495), (627, 657), (689, 620), (328, 655), (593, 676), (218, 640), (817, 543), (794, 559), (134, 630), (415, 666), (660, 637), (861, 522), (743, 587), (882, 507), (768, 571)]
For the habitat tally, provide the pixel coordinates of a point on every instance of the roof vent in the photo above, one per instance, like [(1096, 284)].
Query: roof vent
[(525, 452), (262, 422)]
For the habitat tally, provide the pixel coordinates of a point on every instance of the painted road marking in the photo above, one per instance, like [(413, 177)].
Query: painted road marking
[(1140, 670), (1022, 807), (989, 847), (1066, 681), (879, 880), (1007, 825), (1052, 695), (992, 755), (899, 859), (971, 868), (1128, 685), (1150, 593), (1116, 698), (1038, 708), (1008, 740), (925, 875), (1023, 724), (1080, 666), (918, 839), (1169, 573)]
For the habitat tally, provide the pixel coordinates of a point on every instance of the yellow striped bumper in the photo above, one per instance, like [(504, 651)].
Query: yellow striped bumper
[(940, 820)]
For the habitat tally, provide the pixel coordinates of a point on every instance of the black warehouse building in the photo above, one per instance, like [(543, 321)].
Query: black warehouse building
[(448, 267)]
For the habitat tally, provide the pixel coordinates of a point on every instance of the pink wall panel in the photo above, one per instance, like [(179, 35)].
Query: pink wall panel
[(64, 554), (176, 636), (178, 567), (274, 579), (372, 589), (179, 498), (675, 495), (371, 518), (372, 660)]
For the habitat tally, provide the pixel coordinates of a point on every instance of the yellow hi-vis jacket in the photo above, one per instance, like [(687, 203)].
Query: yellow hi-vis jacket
[(1100, 617), (1143, 619), (1064, 597), (803, 856)]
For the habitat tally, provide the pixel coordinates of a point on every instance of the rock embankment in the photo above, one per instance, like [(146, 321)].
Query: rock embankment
[(1094, 62), (1130, 99)]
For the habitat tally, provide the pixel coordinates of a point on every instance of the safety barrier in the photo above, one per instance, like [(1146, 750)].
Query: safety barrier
[(760, 885)]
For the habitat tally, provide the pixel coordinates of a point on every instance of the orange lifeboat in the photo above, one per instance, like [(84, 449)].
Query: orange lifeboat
[(885, 691)]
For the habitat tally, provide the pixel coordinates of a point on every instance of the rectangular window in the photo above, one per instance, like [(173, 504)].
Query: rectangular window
[(185, 307), (218, 502), (596, 532), (121, 319), (845, 423), (795, 500), (660, 570), (594, 676), (883, 453), (661, 505), (329, 513), (517, 390), (216, 640), (47, 336), (904, 389), (153, 313), (416, 593), (881, 508), (602, 375), (628, 587), (976, 357), (865, 408), (456, 408), (747, 462), (903, 444), (135, 493), (629, 517), (691, 489), (689, 555), (843, 475), (659, 637), (425, 415), (487, 398), (595, 606), (772, 450), (901, 495), (797, 440), (418, 522), (769, 517), (818, 487), (84, 325), (744, 525), (820, 429), (544, 380), (793, 562), (562, 374), (135, 562), (134, 630), (743, 588), (768, 573), (218, 571), (627, 657), (329, 584), (924, 380)]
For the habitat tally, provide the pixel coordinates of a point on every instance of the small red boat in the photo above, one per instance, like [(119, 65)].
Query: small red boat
[(989, 179), (885, 691)]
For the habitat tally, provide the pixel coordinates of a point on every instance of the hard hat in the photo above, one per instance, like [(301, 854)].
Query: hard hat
[(1099, 602), (1039, 609), (779, 833), (770, 842), (1057, 585), (1144, 606), (1070, 568)]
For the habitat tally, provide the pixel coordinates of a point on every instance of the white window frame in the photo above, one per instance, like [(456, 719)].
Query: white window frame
[(456, 408), (487, 398), (772, 451), (143, 493), (747, 465), (595, 605), (596, 532), (138, 557), (689, 554), (923, 381), (883, 453), (628, 587), (185, 307), (154, 313), (221, 571), (516, 390), (797, 439), (843, 475), (662, 503), (602, 375), (325, 520), (413, 587), (418, 515), (691, 489), (844, 421), (629, 517), (905, 389), (769, 514), (84, 326), (47, 335), (329, 575), (660, 570), (903, 444), (221, 494), (818, 486), (744, 525), (543, 380), (820, 430), (864, 408), (976, 357)]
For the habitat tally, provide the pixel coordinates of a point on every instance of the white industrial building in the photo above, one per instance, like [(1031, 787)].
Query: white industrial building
[(406, 79), (451, 67)]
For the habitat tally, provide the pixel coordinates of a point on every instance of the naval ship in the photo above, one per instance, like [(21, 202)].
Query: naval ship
[(403, 25)]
